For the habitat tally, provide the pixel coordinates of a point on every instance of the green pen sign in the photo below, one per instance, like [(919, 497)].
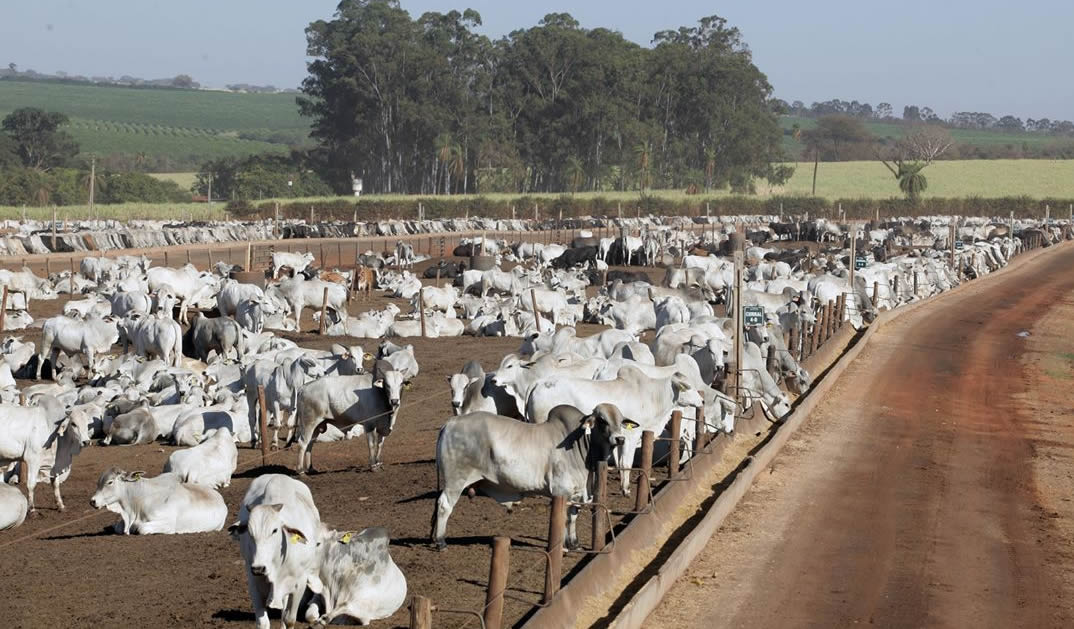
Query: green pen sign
[(753, 315), (859, 263)]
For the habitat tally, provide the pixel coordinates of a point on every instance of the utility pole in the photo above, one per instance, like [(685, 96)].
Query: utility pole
[(92, 181)]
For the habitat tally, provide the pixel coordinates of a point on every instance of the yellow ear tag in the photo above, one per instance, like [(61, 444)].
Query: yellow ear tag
[(295, 538), (346, 539), (406, 386), (630, 427)]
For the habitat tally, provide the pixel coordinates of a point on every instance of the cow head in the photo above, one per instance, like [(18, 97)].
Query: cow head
[(458, 383), (607, 430), (110, 486), (274, 541), (77, 423), (683, 393), (391, 381)]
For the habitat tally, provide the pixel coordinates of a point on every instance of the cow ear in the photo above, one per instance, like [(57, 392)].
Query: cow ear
[(379, 382), (294, 535), (236, 529), (134, 476), (630, 424)]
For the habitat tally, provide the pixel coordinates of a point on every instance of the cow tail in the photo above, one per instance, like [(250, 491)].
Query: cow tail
[(436, 500), (439, 440)]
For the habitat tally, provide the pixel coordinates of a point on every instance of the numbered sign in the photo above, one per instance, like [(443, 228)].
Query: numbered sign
[(859, 263), (959, 245), (753, 315)]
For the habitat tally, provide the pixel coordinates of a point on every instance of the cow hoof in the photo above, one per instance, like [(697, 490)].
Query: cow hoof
[(35, 514), (441, 545)]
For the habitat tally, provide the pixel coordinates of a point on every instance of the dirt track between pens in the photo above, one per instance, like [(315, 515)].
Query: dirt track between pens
[(932, 488)]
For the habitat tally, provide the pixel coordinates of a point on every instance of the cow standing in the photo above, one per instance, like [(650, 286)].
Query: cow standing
[(511, 459)]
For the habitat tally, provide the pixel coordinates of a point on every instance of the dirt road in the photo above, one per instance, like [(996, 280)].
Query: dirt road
[(932, 488)]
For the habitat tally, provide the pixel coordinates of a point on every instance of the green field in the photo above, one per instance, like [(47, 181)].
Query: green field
[(893, 130), (1036, 179), (187, 125)]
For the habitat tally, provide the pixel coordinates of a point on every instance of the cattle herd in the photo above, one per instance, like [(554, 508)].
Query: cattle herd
[(190, 357)]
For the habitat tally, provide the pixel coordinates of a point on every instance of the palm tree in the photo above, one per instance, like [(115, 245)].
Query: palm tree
[(710, 167), (575, 173), (449, 154), (912, 181), (644, 152)]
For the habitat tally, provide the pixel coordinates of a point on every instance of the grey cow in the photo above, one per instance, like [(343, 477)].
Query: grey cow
[(369, 400), (511, 459), (221, 334)]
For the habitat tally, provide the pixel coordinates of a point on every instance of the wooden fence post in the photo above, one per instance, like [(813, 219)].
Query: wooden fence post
[(421, 311), (600, 500), (674, 454), (876, 293), (895, 289), (536, 316), (701, 430), (770, 360), (3, 308), (557, 521), (324, 312), (262, 423), (421, 613), (499, 566), (792, 344), (915, 282), (641, 498)]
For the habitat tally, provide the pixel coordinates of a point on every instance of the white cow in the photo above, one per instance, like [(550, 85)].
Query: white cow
[(274, 510), (297, 262), (90, 338), (210, 463), (647, 401), (12, 507), (32, 435), (163, 504), (233, 293), (187, 285), (156, 335)]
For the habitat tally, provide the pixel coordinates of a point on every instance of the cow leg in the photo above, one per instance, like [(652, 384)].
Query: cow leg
[(445, 504), (33, 467), (373, 440), (626, 460), (56, 491), (572, 526), (256, 586), (290, 613)]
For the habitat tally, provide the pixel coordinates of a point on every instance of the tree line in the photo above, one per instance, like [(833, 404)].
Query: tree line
[(428, 105), (923, 114), (40, 165)]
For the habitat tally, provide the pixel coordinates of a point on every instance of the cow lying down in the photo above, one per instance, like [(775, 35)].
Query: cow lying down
[(162, 504), (13, 507), (287, 549)]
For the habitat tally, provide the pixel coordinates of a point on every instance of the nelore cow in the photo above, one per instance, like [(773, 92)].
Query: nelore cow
[(509, 459), (287, 550), (163, 504), (370, 401)]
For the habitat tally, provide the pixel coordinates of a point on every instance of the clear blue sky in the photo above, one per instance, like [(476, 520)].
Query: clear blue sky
[(983, 55)]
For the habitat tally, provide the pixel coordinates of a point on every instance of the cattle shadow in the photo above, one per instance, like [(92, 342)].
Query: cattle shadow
[(254, 472), (429, 495), (242, 615), (105, 532), (425, 542)]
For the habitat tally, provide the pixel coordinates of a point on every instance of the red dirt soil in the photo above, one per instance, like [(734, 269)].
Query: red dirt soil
[(932, 487)]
